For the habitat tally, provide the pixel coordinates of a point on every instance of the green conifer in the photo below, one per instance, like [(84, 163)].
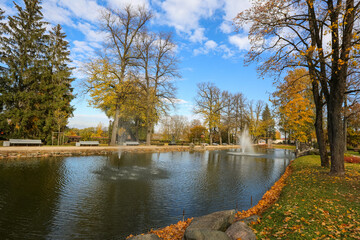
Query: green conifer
[(36, 77)]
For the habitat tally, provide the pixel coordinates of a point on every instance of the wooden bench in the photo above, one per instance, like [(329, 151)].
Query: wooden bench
[(131, 143), (87, 143), (22, 142)]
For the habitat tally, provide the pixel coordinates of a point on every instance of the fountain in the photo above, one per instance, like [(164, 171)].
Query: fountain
[(246, 146)]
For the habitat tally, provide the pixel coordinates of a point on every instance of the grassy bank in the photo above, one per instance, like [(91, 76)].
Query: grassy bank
[(281, 146), (314, 205)]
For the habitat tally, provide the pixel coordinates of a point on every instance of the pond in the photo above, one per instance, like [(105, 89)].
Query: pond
[(110, 197)]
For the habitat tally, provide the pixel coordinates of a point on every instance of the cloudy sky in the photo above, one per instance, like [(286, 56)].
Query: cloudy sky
[(208, 47)]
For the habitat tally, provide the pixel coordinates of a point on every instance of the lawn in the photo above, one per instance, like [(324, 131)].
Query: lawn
[(353, 153), (314, 205), (290, 147)]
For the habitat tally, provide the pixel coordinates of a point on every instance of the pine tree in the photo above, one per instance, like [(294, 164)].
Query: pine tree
[(57, 83), (36, 79)]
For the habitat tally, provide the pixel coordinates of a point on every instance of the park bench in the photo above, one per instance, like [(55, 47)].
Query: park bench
[(128, 143), (87, 143), (22, 142)]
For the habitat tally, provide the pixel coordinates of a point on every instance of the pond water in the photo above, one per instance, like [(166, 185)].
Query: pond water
[(110, 197)]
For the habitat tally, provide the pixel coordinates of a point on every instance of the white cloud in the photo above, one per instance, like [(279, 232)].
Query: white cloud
[(231, 9), (212, 47), (210, 44), (184, 15), (91, 34), (81, 47), (198, 35), (85, 9), (55, 14), (121, 3), (226, 27), (241, 42), (227, 52)]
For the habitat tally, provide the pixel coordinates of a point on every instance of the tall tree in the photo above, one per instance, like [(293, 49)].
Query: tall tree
[(298, 38), (157, 63), (58, 83), (255, 128), (293, 100), (240, 113), (122, 28), (228, 113), (33, 88), (208, 104), (268, 123)]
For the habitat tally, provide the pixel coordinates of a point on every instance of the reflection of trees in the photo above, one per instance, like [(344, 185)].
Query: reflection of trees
[(29, 191), (105, 208)]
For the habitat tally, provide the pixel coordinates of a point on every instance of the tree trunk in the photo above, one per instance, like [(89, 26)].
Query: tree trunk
[(148, 134), (115, 126), (336, 134), (319, 129), (220, 138), (228, 136)]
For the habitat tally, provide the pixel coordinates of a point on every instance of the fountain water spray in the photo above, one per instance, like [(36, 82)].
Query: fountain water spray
[(246, 146), (245, 142)]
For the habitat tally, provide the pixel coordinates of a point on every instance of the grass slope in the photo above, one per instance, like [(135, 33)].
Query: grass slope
[(314, 205)]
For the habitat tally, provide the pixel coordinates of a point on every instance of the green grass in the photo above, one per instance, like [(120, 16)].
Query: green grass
[(353, 153), (290, 147), (314, 205)]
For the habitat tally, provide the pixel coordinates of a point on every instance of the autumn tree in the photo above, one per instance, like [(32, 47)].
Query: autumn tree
[(197, 133), (293, 101), (157, 65), (122, 28), (298, 38), (254, 118), (240, 114), (174, 127), (208, 104)]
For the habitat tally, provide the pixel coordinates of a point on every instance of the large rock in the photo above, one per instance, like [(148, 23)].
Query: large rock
[(240, 230), (145, 237), (205, 234), (218, 221)]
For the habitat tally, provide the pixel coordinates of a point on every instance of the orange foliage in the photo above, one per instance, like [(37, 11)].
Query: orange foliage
[(352, 159), (172, 232), (268, 199)]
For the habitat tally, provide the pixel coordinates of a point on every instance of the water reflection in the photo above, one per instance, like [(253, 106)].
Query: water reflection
[(103, 197)]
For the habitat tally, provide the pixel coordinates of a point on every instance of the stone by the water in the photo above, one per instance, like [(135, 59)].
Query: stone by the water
[(219, 221), (240, 230), (205, 234)]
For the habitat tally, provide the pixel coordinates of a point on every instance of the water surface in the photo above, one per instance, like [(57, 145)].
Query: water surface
[(110, 197)]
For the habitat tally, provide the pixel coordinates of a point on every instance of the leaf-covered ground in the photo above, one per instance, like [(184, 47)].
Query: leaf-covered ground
[(314, 205)]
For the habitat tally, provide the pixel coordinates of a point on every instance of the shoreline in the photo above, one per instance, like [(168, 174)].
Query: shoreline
[(52, 151)]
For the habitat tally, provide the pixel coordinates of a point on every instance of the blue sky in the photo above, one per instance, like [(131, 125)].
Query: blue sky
[(208, 47)]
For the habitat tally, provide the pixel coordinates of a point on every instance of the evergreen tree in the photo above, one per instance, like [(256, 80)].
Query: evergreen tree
[(268, 123), (35, 91), (57, 83)]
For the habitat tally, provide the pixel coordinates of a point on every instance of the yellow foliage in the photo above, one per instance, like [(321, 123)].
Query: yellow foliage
[(295, 106)]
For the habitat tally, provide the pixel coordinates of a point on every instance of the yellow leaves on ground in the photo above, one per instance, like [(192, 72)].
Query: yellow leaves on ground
[(314, 205), (174, 231)]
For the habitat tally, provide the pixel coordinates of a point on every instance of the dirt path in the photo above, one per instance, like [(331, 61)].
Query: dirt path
[(84, 150)]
